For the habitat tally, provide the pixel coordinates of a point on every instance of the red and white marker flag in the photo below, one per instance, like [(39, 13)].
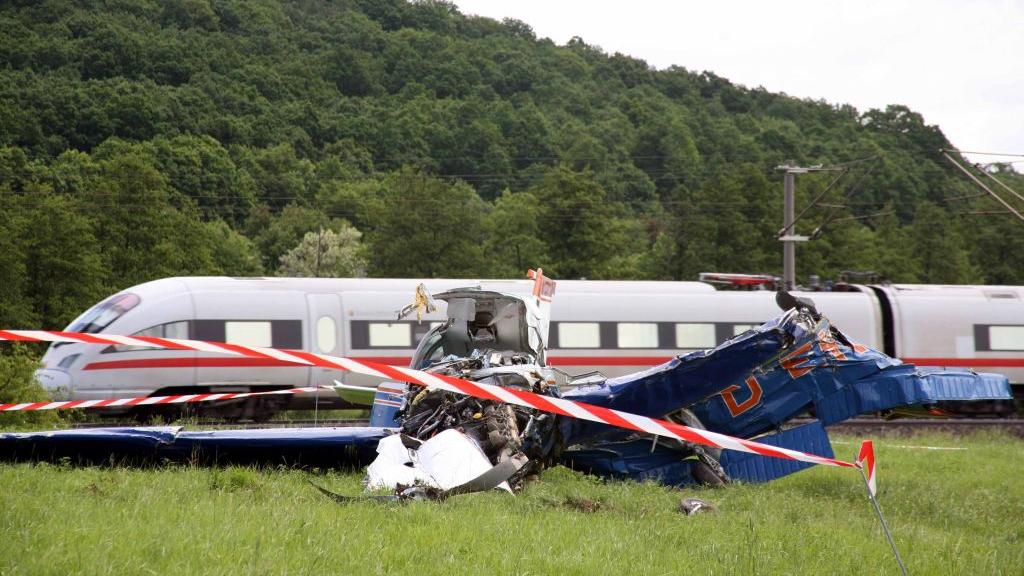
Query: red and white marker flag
[(480, 390), (543, 287), (866, 462)]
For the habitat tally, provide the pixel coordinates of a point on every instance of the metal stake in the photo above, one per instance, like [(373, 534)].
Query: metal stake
[(316, 407), (789, 246), (885, 527)]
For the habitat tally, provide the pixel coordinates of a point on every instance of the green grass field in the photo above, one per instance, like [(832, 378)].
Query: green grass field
[(952, 512)]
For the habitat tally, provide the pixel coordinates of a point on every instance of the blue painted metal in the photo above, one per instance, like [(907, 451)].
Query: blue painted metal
[(642, 460), (91, 445), (810, 437), (637, 460), (324, 447), (797, 364), (384, 412)]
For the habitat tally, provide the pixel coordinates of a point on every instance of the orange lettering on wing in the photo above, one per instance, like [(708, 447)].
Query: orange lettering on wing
[(794, 364), (830, 346), (737, 408)]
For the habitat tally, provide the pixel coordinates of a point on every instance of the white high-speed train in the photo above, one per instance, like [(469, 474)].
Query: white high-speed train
[(614, 327)]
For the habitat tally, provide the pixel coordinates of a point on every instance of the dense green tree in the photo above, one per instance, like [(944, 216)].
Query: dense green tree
[(897, 259), (584, 233), (996, 242), (426, 228), (200, 169), (937, 242), (15, 301), (232, 253), (141, 234), (514, 241), (18, 362), (62, 258)]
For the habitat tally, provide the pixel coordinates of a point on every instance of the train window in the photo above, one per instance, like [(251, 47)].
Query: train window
[(67, 361), (156, 331), (579, 335), (169, 330), (696, 336), (103, 314), (286, 334), (368, 334), (326, 331), (637, 334), (267, 333), (176, 330), (1006, 337), (390, 335), (248, 333), (738, 329)]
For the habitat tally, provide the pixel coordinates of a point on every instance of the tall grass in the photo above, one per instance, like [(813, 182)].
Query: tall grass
[(951, 512)]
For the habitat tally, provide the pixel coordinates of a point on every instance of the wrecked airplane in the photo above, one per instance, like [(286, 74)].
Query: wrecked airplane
[(430, 442)]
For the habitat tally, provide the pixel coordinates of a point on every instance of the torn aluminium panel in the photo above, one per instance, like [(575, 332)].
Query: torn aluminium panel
[(445, 461)]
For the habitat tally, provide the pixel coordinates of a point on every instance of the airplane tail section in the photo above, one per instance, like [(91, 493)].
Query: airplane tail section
[(387, 401)]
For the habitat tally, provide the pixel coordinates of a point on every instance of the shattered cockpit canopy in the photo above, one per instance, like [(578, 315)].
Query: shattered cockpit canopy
[(484, 320)]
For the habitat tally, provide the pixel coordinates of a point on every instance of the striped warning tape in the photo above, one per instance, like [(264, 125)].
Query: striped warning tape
[(480, 390), (149, 400)]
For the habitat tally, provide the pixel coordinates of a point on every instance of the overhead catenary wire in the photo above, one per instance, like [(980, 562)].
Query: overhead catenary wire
[(964, 197), (865, 217), (982, 185), (1000, 182), (944, 150), (785, 230), (984, 213), (831, 215)]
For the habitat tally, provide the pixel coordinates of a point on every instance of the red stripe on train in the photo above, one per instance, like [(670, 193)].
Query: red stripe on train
[(225, 362), (231, 362)]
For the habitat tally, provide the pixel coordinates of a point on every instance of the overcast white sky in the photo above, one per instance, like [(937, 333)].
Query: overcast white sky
[(960, 63)]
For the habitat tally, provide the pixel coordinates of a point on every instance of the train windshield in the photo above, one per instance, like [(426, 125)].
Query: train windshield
[(103, 314)]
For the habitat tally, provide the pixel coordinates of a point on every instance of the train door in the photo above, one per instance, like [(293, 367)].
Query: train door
[(325, 335)]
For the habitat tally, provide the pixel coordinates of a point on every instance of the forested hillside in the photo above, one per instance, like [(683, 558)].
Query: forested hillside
[(148, 138)]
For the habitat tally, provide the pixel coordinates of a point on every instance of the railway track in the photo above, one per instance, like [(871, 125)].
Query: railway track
[(1013, 426)]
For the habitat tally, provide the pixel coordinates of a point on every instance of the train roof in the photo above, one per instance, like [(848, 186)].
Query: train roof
[(599, 287), (947, 290), (201, 283)]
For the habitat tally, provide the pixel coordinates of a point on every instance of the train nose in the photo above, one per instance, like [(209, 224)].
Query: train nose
[(57, 383)]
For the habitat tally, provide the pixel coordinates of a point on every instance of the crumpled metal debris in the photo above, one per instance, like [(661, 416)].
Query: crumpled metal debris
[(422, 303), (503, 432), (447, 465), (691, 506), (401, 493), (449, 460)]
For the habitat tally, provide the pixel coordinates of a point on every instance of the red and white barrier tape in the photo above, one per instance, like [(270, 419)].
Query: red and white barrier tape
[(149, 400), (480, 390)]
